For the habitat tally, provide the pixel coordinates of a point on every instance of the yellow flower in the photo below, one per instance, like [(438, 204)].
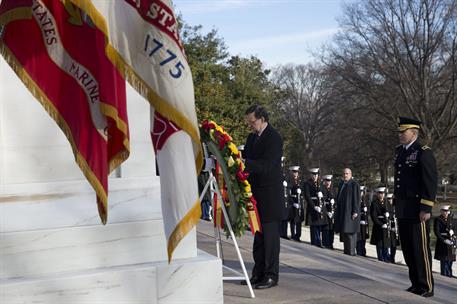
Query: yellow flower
[(211, 134), (233, 148), (247, 188), (230, 161)]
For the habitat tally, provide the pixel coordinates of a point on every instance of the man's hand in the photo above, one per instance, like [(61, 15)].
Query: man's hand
[(424, 216), (354, 216)]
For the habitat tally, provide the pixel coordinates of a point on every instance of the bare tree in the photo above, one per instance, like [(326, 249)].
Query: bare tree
[(399, 57), (304, 98)]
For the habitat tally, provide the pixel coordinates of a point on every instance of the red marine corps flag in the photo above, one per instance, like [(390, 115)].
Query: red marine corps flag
[(59, 55), (145, 46)]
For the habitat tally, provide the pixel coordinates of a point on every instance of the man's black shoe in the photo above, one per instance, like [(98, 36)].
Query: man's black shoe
[(286, 237), (267, 283), (254, 280)]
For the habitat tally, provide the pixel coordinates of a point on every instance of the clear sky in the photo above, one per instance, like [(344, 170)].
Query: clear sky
[(276, 31)]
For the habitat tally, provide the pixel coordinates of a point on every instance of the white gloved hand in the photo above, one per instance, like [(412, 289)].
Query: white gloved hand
[(317, 208), (365, 209), (363, 223), (386, 214), (284, 183), (330, 214), (296, 205), (332, 201), (298, 191), (384, 226), (320, 195), (451, 232), (448, 242)]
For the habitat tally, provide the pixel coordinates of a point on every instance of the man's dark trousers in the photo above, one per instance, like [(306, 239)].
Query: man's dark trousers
[(266, 251)]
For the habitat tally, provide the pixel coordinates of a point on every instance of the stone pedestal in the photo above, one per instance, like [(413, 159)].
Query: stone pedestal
[(53, 248)]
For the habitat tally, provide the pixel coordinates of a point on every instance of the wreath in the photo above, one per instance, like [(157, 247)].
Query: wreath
[(239, 201)]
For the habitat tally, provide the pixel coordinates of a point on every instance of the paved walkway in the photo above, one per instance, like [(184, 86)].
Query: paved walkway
[(309, 274)]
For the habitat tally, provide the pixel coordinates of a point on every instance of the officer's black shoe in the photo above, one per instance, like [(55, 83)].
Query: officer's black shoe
[(411, 289), (254, 280), (267, 283), (286, 237), (425, 294)]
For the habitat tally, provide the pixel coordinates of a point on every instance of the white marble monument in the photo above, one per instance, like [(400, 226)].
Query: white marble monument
[(53, 248)]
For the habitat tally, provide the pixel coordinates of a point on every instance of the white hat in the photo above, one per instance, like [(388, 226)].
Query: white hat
[(294, 168), (362, 188), (314, 170), (390, 195), (446, 208), (241, 148), (327, 177), (381, 189)]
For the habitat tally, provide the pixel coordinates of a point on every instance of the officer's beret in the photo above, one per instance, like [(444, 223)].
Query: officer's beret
[(314, 170), (294, 168), (405, 123), (327, 177)]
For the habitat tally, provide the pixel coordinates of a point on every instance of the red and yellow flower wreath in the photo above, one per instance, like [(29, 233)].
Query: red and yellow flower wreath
[(237, 195)]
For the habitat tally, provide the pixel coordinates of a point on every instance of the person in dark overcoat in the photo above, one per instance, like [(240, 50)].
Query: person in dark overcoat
[(262, 153), (328, 230), (347, 220), (380, 233), (415, 186), (364, 233), (314, 206), (444, 251)]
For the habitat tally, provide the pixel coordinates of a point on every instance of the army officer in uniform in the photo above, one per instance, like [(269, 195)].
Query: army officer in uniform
[(415, 191)]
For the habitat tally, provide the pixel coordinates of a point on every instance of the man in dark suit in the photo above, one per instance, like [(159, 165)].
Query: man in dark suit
[(415, 187), (347, 220), (262, 153)]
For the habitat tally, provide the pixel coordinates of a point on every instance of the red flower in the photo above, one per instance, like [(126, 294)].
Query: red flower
[(242, 175)]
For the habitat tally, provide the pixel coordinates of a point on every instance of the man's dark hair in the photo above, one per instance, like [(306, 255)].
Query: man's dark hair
[(259, 112)]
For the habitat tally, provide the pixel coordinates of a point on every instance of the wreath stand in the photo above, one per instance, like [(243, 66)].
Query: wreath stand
[(212, 185)]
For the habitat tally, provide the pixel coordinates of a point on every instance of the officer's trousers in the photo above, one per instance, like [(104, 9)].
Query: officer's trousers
[(415, 244)]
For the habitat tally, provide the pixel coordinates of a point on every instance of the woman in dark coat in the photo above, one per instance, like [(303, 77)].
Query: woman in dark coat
[(444, 244)]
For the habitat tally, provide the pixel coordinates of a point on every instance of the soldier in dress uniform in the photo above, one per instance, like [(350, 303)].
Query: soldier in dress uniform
[(287, 206), (392, 226), (364, 223), (313, 196), (415, 188), (297, 215), (445, 241), (380, 233), (328, 231)]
